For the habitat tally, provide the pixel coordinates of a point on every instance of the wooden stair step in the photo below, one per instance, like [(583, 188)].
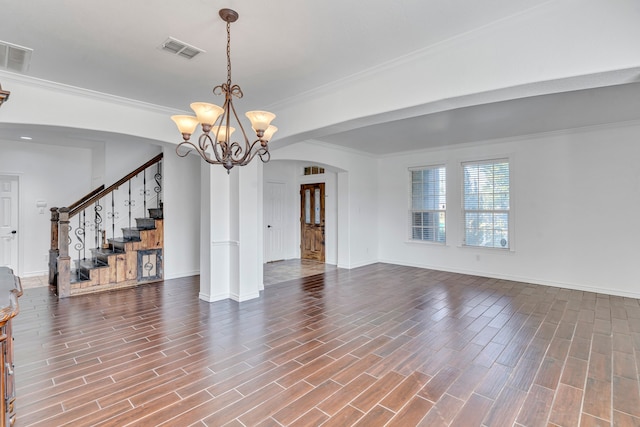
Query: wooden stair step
[(118, 243), (88, 264), (78, 276), (146, 223), (156, 213), (84, 267), (132, 232), (77, 280), (103, 254)]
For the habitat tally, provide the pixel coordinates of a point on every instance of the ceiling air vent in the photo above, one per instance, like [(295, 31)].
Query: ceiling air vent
[(179, 48), (14, 58)]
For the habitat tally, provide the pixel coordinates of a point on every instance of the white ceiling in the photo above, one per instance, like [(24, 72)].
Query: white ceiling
[(284, 48)]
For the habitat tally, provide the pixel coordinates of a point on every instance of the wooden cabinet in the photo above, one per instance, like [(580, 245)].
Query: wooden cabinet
[(10, 290)]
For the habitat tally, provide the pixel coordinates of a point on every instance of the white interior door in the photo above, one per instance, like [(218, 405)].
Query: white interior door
[(274, 198), (9, 222)]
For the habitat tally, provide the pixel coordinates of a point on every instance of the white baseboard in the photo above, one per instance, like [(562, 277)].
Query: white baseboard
[(534, 281), (36, 273), (181, 275)]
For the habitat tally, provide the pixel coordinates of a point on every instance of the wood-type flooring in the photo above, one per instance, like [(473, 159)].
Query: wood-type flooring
[(373, 346)]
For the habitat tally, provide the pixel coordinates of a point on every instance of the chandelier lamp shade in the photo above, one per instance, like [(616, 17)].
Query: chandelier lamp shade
[(4, 95), (215, 144)]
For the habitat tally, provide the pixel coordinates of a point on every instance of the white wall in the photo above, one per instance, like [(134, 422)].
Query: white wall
[(127, 134), (58, 175), (181, 192), (291, 174), (38, 102), (121, 157), (355, 198), (506, 59), (61, 175), (575, 201)]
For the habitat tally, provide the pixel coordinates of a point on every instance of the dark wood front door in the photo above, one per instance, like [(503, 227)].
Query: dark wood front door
[(312, 221)]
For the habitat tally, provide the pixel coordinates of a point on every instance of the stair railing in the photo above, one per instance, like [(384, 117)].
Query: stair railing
[(53, 248), (83, 224)]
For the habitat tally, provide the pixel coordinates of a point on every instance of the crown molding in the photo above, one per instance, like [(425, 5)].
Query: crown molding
[(516, 138), (403, 60), (85, 93)]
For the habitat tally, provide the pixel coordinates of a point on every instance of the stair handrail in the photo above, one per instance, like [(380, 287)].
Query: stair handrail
[(60, 262), (86, 197), (80, 207)]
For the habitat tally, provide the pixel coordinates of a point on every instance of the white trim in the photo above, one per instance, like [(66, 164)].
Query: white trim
[(358, 265), (244, 297), (400, 61), (87, 93), (182, 275), (35, 274), (447, 149), (225, 243), (426, 242), (339, 148), (215, 298), (520, 279)]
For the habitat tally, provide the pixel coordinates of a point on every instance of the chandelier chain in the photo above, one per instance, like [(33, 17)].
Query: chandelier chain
[(229, 54)]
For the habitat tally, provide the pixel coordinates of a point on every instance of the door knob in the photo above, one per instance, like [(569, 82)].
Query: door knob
[(268, 226), (13, 231)]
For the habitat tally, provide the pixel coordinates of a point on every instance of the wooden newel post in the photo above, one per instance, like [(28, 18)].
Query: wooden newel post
[(53, 248), (64, 260)]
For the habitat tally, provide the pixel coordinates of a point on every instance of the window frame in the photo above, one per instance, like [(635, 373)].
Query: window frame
[(507, 230), (439, 214)]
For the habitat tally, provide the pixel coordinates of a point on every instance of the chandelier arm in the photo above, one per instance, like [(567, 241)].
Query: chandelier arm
[(188, 149), (241, 156), (219, 90), (220, 151), (262, 153), (244, 134), (204, 141), (251, 153), (236, 91)]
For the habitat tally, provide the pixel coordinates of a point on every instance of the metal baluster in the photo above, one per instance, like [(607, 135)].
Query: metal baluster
[(97, 219), (84, 234), (144, 192), (113, 217), (158, 187), (129, 204), (79, 246)]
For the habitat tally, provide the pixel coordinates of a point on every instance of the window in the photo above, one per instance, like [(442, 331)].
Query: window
[(428, 204), (313, 170), (486, 203)]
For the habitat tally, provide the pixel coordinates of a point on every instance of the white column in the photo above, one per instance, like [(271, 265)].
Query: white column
[(250, 232), (216, 243), (344, 216), (230, 243)]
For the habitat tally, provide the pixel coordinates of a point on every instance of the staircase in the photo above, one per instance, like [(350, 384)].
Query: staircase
[(110, 239), (125, 261)]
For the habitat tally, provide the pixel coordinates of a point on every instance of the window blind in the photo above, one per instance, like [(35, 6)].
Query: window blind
[(427, 215), (486, 203)]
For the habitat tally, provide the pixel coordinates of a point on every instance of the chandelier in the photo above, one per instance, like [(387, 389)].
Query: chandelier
[(214, 144), (4, 95)]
